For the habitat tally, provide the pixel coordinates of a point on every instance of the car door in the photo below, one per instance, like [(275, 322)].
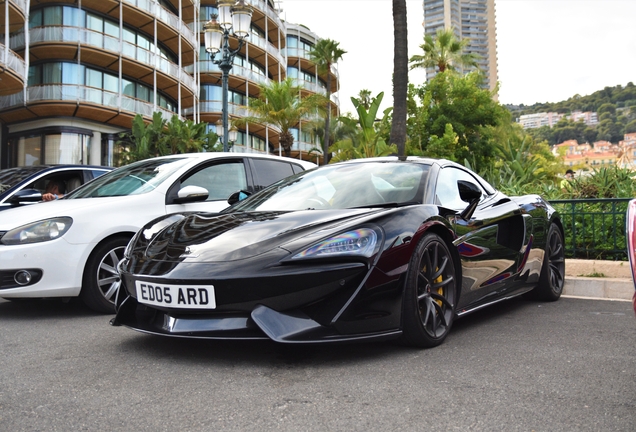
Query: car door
[(490, 243), (220, 177)]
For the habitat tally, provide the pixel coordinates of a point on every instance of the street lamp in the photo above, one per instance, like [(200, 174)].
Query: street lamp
[(234, 19)]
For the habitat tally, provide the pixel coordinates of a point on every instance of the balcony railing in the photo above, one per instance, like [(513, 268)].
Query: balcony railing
[(109, 43), (303, 53), (21, 4), (12, 61), (164, 15), (206, 66), (83, 94)]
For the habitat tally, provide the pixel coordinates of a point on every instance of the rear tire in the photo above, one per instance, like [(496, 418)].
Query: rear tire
[(430, 295), (552, 275), (101, 279)]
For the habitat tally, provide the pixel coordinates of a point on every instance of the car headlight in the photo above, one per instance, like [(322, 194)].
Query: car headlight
[(359, 242), (36, 232)]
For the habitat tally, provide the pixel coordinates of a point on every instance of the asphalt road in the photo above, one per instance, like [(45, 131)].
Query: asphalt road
[(521, 366)]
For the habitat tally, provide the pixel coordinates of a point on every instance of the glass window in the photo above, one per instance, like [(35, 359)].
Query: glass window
[(130, 36), (95, 23), (110, 83), (143, 93), (65, 148), (71, 73), (29, 151), (52, 73), (128, 88), (111, 29), (292, 42), (52, 16), (71, 16), (134, 179), (447, 192), (35, 18), (94, 78), (269, 171), (221, 179)]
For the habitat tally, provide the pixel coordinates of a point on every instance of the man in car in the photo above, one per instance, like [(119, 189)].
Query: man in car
[(55, 189)]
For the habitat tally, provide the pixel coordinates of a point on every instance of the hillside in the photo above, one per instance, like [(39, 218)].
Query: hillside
[(615, 106)]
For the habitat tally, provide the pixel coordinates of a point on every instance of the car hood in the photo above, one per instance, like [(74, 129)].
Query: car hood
[(202, 237), (18, 216)]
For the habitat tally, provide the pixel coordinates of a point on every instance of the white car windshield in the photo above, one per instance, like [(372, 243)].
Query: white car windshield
[(134, 179), (369, 184)]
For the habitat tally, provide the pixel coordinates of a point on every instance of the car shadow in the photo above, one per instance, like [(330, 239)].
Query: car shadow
[(254, 352), (44, 309)]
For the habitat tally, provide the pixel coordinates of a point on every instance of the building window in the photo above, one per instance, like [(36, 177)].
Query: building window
[(50, 147)]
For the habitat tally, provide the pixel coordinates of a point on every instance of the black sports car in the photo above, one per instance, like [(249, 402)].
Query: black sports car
[(365, 249)]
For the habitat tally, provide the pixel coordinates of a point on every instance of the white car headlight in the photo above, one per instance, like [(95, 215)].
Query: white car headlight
[(36, 232), (360, 242)]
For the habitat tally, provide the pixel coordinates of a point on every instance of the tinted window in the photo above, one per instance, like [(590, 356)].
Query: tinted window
[(270, 171), (221, 179)]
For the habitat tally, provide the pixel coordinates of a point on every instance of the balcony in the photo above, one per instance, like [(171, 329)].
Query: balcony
[(207, 67), (79, 101), (13, 71), (133, 55)]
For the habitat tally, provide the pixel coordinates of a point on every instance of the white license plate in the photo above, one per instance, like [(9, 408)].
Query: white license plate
[(176, 296)]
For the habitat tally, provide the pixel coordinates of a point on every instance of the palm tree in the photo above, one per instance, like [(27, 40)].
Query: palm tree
[(324, 54), (443, 52), (281, 104), (400, 76), (368, 141), (364, 96)]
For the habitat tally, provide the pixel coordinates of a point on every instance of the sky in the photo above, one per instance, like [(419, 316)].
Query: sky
[(547, 50)]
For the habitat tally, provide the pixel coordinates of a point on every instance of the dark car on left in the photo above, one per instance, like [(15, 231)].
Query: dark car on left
[(25, 185)]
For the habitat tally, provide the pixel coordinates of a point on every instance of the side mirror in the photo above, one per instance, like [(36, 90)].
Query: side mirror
[(470, 193), (238, 196), (26, 195), (191, 194)]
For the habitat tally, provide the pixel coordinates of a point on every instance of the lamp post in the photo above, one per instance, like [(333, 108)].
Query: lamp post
[(234, 19)]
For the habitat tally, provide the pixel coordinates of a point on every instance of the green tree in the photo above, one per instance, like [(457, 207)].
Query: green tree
[(281, 104), (400, 75), (458, 100), (370, 139), (186, 136), (443, 52), (160, 138), (324, 54)]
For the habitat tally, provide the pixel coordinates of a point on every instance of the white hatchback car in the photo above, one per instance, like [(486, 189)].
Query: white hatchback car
[(71, 247)]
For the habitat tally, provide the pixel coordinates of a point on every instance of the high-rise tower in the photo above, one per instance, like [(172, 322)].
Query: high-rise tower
[(471, 19)]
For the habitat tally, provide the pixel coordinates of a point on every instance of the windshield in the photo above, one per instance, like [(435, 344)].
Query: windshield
[(365, 184), (134, 179), (12, 176)]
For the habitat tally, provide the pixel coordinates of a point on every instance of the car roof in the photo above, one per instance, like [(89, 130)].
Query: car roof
[(215, 155)]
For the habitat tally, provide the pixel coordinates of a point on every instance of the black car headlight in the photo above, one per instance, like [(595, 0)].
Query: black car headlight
[(37, 232), (359, 242)]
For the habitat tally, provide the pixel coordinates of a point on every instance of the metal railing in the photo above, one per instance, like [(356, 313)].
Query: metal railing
[(594, 228)]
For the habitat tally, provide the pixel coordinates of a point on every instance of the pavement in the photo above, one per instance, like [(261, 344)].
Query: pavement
[(609, 280)]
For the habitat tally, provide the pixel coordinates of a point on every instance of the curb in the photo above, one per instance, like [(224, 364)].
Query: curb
[(621, 289), (615, 281)]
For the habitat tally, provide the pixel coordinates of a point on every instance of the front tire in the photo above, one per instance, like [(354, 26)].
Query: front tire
[(101, 279), (430, 294)]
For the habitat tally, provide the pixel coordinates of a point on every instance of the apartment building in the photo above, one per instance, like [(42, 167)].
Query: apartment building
[(470, 19), (74, 74), (536, 120)]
